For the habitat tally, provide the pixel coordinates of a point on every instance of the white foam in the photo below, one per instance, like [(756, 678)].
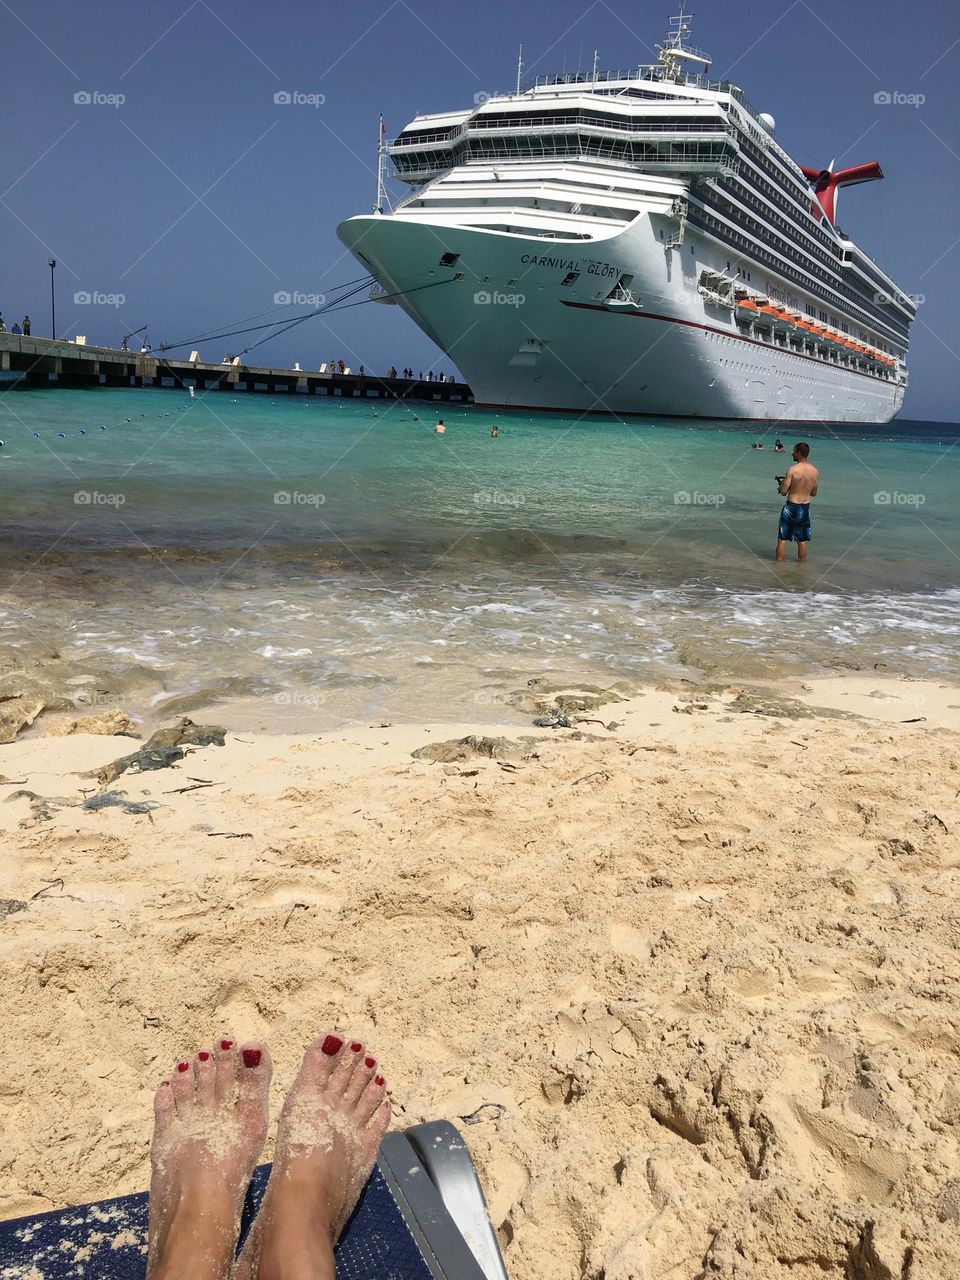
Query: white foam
[(270, 651)]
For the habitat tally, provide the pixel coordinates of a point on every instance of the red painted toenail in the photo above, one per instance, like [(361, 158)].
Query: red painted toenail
[(356, 1047), (203, 1056), (251, 1057), (183, 1066), (369, 1062), (378, 1080), (331, 1045), (226, 1044)]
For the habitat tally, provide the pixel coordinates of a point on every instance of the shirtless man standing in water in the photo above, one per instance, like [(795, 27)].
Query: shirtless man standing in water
[(798, 486)]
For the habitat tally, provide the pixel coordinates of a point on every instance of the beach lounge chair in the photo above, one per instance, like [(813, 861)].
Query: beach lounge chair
[(422, 1216)]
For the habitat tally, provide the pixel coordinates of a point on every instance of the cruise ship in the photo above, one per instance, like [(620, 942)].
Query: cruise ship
[(637, 242)]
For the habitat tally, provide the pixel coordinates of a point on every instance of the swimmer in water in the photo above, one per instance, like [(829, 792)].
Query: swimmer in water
[(440, 429), (494, 431)]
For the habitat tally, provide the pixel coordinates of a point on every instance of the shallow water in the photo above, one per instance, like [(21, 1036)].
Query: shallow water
[(342, 554)]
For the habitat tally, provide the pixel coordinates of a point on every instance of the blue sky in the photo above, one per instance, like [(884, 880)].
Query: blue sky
[(198, 198)]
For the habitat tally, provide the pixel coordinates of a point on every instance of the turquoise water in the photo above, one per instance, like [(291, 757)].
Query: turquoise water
[(309, 545)]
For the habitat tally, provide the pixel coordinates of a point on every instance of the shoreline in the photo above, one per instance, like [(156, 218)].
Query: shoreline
[(703, 965), (878, 696)]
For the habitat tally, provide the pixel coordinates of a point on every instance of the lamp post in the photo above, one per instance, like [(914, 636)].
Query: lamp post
[(53, 299)]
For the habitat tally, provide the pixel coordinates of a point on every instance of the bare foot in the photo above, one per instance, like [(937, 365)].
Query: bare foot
[(211, 1121), (327, 1142)]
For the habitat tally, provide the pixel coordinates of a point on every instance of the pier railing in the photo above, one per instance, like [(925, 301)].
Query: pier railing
[(43, 362)]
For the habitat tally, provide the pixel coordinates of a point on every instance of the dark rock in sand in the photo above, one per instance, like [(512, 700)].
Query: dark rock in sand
[(711, 696), (42, 808), (467, 748), (163, 749), (9, 905), (552, 698), (758, 702), (118, 800)]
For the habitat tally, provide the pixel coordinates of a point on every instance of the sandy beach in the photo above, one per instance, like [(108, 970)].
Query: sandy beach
[(688, 984)]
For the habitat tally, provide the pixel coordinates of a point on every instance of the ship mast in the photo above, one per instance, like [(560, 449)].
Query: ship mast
[(381, 195), (675, 51)]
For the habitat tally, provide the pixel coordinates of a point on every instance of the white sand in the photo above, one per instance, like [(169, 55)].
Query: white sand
[(706, 965)]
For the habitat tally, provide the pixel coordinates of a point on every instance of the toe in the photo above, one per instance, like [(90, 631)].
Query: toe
[(324, 1056), (254, 1069), (183, 1086), (347, 1062), (205, 1075), (364, 1069), (225, 1057), (164, 1108), (372, 1097)]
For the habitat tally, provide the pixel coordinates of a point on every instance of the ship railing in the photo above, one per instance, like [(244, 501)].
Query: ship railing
[(710, 124), (714, 155), (654, 73)]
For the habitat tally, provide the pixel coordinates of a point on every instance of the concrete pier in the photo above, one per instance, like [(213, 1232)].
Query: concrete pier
[(45, 362)]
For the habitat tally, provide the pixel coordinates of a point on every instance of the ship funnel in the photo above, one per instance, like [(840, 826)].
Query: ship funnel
[(827, 182)]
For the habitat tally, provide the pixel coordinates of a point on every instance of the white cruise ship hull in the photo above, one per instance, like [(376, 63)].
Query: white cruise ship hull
[(524, 339)]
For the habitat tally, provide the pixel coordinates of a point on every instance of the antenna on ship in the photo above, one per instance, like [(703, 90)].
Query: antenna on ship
[(519, 68), (595, 56)]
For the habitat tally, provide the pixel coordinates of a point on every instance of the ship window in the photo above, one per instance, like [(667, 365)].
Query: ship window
[(449, 260), (569, 278)]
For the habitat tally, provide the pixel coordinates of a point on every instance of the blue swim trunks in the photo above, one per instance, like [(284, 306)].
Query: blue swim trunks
[(795, 522)]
